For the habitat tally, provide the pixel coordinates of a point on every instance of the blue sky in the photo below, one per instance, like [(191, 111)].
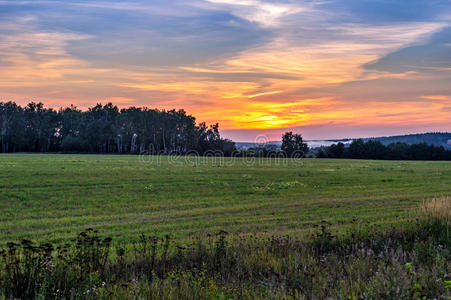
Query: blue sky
[(327, 69)]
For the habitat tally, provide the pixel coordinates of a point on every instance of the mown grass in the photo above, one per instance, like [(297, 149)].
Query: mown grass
[(266, 229), (409, 262), (54, 197)]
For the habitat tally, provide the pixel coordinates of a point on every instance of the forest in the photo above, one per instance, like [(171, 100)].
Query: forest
[(106, 129), (373, 149)]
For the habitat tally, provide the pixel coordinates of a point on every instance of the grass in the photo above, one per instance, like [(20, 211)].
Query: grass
[(412, 262), (231, 229), (54, 197), (440, 208)]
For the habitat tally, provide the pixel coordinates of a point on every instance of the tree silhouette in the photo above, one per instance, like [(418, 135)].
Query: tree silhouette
[(105, 129), (293, 145)]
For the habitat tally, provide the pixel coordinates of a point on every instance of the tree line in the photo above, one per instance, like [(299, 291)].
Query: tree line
[(106, 129), (431, 138), (373, 149), (293, 146)]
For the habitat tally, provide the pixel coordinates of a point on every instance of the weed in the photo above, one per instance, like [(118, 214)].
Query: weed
[(399, 263)]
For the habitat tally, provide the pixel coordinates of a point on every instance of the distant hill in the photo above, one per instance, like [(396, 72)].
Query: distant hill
[(431, 138)]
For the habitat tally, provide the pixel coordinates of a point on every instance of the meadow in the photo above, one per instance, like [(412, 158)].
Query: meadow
[(54, 197), (162, 227)]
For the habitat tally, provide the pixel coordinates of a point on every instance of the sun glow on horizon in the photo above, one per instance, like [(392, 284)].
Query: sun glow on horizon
[(249, 65)]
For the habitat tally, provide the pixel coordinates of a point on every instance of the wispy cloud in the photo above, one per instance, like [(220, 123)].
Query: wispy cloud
[(31, 57), (442, 98), (247, 64), (264, 94), (263, 12)]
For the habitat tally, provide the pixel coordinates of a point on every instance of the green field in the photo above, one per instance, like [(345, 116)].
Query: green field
[(54, 197)]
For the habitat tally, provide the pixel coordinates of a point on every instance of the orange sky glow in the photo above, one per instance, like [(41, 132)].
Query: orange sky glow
[(311, 70)]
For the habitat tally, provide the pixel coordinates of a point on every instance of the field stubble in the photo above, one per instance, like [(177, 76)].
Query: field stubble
[(54, 197)]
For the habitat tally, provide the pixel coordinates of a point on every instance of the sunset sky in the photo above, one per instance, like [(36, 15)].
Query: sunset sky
[(323, 68)]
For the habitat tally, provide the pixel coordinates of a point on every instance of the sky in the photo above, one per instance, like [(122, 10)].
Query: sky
[(323, 68)]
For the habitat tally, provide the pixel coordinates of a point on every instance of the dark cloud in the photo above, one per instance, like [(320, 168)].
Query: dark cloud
[(149, 36), (430, 57), (387, 11), (140, 33)]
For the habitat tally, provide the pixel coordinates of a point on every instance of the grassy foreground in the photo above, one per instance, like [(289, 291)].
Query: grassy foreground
[(54, 197), (124, 227), (409, 262)]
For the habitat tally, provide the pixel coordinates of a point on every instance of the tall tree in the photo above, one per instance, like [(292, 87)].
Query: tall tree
[(335, 150), (105, 129), (10, 114), (293, 145)]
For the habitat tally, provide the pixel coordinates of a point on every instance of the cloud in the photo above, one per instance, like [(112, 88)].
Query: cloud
[(428, 55), (30, 57), (383, 12), (438, 97), (265, 13), (247, 64), (264, 94)]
